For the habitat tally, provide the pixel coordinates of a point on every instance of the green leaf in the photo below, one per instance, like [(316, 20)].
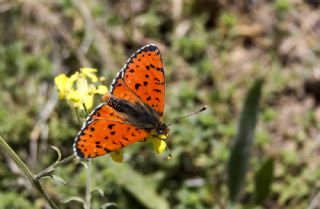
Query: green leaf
[(97, 190), (108, 205), (58, 179), (58, 152), (73, 198), (263, 180), (240, 153)]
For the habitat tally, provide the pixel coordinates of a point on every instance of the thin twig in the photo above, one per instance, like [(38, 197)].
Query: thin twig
[(85, 109), (78, 115), (24, 168)]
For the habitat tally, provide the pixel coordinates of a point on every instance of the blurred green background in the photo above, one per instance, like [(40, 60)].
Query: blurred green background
[(213, 51)]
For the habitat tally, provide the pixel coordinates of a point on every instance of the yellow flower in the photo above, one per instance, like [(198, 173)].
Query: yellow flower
[(117, 156), (63, 85), (158, 142), (80, 87)]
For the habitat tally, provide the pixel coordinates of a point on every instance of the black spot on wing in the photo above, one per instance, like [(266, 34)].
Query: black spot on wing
[(157, 80), (137, 86), (150, 48), (79, 152), (110, 126), (107, 150)]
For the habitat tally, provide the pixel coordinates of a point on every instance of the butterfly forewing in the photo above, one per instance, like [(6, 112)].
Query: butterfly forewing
[(120, 90), (143, 75)]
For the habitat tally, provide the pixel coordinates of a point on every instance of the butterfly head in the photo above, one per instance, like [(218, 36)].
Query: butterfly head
[(163, 129)]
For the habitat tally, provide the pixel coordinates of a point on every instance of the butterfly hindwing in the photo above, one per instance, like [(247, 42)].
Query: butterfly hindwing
[(142, 78), (105, 131)]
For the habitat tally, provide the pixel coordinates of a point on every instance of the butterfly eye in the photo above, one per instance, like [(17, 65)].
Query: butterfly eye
[(163, 131), (160, 131)]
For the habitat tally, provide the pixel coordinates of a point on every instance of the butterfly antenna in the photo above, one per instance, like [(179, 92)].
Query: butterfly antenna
[(194, 113)]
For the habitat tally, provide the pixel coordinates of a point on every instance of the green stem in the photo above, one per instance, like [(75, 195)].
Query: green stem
[(85, 109), (78, 115), (88, 186), (51, 168), (24, 168)]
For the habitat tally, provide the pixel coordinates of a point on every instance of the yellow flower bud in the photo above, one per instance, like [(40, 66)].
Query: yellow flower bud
[(117, 156)]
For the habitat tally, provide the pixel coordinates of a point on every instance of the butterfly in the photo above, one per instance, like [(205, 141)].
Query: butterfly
[(131, 112)]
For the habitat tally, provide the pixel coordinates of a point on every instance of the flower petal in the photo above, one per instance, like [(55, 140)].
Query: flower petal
[(102, 78), (61, 84), (86, 70), (88, 101), (101, 89), (158, 143), (73, 98), (90, 73), (74, 77), (85, 93)]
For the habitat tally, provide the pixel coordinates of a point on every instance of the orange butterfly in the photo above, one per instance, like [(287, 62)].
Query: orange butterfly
[(131, 112)]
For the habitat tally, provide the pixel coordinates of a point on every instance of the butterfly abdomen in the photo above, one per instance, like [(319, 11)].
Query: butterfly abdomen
[(123, 106)]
